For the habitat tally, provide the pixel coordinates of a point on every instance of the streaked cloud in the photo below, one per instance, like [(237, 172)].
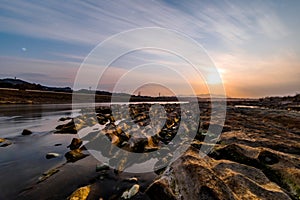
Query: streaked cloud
[(54, 73), (251, 42)]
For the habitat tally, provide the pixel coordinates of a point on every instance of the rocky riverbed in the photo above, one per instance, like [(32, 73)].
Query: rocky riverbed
[(257, 156)]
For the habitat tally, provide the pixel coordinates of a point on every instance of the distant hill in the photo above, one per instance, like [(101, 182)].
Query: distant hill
[(24, 85)]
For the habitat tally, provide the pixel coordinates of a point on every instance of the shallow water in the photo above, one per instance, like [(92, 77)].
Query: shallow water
[(23, 162)]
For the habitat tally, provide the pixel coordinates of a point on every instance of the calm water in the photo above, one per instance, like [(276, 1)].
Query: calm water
[(23, 162)]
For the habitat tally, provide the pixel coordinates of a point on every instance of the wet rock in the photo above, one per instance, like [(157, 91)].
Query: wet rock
[(102, 167), (4, 142), (74, 155), (64, 118), (70, 127), (131, 192), (132, 180), (160, 189), (81, 193), (47, 174), (102, 119), (51, 155), (26, 132), (75, 144)]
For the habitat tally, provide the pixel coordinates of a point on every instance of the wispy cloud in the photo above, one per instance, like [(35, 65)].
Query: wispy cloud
[(56, 73), (89, 22), (242, 37)]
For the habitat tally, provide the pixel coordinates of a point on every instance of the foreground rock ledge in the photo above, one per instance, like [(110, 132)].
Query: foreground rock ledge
[(192, 177)]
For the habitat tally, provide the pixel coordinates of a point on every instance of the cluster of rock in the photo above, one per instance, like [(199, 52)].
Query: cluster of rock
[(256, 157), (195, 177), (142, 128), (75, 152), (6, 142), (284, 103)]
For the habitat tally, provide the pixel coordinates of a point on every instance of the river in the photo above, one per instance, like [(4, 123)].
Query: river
[(24, 161)]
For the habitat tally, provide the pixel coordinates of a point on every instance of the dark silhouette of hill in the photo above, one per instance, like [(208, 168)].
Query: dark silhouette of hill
[(24, 85)]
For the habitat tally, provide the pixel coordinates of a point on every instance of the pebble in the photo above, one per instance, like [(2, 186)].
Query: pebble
[(51, 155)]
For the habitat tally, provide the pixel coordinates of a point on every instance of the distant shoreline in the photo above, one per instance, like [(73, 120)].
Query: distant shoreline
[(16, 96)]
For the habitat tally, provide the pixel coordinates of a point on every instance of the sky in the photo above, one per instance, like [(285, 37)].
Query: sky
[(254, 45)]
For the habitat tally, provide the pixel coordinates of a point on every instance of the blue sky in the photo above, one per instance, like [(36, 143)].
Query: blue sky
[(254, 44)]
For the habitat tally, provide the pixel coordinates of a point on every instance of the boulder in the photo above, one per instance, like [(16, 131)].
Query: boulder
[(200, 177), (74, 155), (70, 127), (81, 193), (75, 144), (26, 132)]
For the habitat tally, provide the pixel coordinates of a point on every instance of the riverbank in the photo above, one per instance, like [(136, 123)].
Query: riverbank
[(16, 96), (257, 156)]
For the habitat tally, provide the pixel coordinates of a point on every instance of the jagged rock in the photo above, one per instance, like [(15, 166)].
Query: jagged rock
[(195, 177), (67, 128), (51, 155), (160, 189), (74, 155), (280, 168), (70, 127), (75, 143), (131, 192), (26, 132), (81, 193)]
